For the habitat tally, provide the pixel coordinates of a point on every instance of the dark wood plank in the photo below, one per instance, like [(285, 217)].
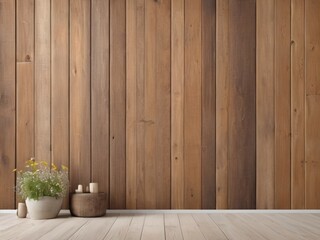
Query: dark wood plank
[(177, 104), (79, 93), (25, 82), (192, 107), (7, 103), (60, 85), (100, 94), (282, 106), (117, 103), (265, 103), (42, 79), (242, 114), (297, 104), (222, 103), (208, 118)]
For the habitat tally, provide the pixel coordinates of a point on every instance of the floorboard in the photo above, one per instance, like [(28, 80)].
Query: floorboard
[(169, 226)]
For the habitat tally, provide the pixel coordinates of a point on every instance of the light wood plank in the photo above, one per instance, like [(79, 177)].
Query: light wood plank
[(136, 227), (12, 229), (172, 227), (60, 85), (42, 79), (79, 93), (312, 152), (208, 227), (297, 104), (192, 105), (265, 135), (189, 227), (131, 104), (282, 105), (117, 104), (7, 103), (222, 103), (95, 228), (153, 227), (177, 104), (208, 105), (120, 228), (100, 94)]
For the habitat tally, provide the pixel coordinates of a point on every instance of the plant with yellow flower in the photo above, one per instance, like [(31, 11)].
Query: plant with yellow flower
[(40, 180)]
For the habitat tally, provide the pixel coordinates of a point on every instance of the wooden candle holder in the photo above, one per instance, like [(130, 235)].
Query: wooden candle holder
[(88, 204)]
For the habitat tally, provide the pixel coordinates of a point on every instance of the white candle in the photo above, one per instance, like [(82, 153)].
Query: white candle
[(80, 188), (93, 187), (22, 210)]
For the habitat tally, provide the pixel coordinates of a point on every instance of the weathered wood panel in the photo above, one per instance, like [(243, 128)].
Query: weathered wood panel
[(265, 142), (282, 105), (60, 84), (192, 105), (208, 108), (7, 103), (297, 104), (242, 114), (79, 93), (100, 73), (42, 79), (177, 104)]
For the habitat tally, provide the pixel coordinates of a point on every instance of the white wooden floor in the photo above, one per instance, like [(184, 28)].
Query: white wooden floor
[(166, 226)]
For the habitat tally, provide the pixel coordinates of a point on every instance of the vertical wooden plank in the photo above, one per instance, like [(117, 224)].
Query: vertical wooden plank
[(312, 152), (192, 107), (265, 103), (42, 80), (149, 120), (312, 104), (208, 130), (131, 104), (222, 103), (140, 65), (163, 99), (25, 82), (282, 105), (100, 93), (177, 104), (117, 103), (79, 93), (7, 103), (312, 47), (60, 84), (298, 104), (242, 114)]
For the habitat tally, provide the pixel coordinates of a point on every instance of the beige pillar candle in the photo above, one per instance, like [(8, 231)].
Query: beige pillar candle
[(93, 187), (22, 210)]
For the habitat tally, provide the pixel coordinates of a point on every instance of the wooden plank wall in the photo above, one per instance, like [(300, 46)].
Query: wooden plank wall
[(167, 103)]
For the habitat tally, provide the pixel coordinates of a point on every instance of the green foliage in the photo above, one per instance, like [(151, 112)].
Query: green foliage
[(38, 180)]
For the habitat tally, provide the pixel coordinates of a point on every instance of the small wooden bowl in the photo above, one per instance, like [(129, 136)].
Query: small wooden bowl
[(88, 204)]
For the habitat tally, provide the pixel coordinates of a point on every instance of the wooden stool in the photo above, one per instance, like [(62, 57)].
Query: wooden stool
[(88, 204)]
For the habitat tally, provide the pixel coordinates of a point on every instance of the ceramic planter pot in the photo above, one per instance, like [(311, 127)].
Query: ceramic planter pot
[(44, 208)]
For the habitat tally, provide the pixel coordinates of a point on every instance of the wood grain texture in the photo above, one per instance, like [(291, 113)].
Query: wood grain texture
[(242, 114), (282, 106), (131, 104), (100, 94), (177, 104), (79, 93), (297, 104), (60, 84), (208, 106), (42, 79), (192, 105), (25, 83), (265, 136), (117, 104), (222, 103), (7, 103)]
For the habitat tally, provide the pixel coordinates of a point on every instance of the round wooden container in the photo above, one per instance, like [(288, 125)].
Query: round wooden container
[(88, 204)]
